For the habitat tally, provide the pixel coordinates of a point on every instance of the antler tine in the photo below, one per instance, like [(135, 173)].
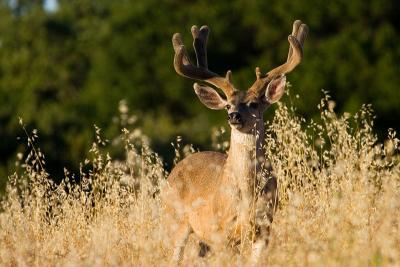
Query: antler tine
[(291, 63), (296, 26), (201, 72), (295, 54), (302, 34), (200, 38), (296, 40), (180, 54)]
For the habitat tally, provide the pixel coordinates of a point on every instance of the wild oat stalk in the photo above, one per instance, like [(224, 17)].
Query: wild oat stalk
[(339, 191)]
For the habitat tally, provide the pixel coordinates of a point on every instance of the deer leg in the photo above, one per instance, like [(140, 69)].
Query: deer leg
[(260, 244), (265, 209), (257, 248), (181, 236), (204, 248)]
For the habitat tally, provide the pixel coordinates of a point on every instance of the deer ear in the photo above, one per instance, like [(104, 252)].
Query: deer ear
[(209, 97), (275, 89)]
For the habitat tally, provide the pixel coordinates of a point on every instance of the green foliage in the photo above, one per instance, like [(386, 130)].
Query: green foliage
[(64, 71)]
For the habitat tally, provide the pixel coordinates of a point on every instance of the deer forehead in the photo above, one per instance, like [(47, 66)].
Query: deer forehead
[(238, 97)]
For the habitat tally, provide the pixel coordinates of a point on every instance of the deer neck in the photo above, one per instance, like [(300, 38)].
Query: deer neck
[(245, 158)]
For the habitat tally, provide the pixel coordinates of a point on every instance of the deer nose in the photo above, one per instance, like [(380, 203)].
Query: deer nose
[(234, 117)]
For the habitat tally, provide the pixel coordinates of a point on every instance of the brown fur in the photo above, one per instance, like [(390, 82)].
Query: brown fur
[(215, 196), (219, 197)]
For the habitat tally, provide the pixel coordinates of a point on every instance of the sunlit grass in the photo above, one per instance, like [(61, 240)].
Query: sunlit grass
[(339, 200)]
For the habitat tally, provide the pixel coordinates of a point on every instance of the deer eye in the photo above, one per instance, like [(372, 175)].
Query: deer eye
[(228, 106), (253, 105)]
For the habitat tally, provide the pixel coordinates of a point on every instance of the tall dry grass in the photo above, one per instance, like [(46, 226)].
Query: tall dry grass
[(339, 191)]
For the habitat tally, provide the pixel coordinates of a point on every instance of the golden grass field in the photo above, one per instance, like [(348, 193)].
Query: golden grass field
[(339, 201)]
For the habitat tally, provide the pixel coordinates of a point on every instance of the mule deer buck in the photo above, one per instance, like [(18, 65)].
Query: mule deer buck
[(220, 196)]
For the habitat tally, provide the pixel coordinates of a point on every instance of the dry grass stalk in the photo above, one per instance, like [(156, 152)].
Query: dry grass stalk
[(339, 190)]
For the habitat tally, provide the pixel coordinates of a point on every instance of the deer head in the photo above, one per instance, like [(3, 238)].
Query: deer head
[(244, 108)]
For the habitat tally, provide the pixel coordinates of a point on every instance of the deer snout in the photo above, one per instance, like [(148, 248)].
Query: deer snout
[(234, 118)]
